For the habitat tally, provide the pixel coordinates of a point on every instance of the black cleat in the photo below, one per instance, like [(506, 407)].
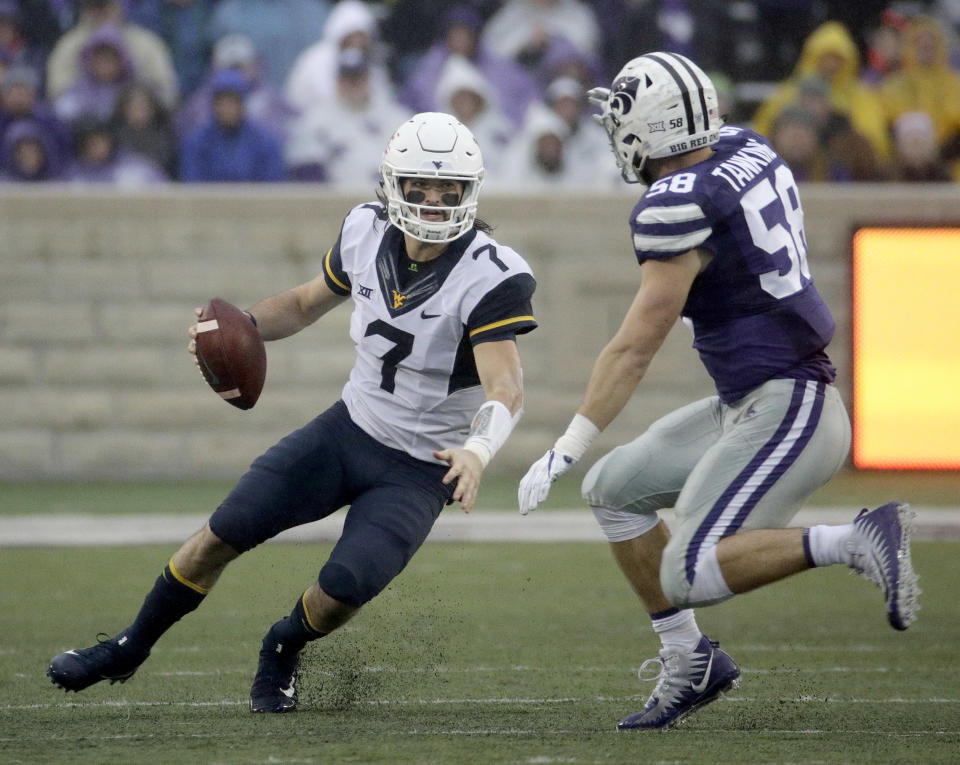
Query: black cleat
[(274, 686), (114, 660)]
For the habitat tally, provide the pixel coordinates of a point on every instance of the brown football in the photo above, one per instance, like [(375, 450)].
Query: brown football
[(230, 350)]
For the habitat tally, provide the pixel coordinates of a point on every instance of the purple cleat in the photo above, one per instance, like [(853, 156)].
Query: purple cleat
[(686, 682), (880, 551)]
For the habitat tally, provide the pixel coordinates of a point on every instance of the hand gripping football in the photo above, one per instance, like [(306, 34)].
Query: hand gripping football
[(230, 351)]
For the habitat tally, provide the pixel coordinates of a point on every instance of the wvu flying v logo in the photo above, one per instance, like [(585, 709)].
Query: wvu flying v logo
[(398, 299)]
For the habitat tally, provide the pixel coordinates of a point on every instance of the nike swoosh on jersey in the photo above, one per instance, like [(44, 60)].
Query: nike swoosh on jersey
[(425, 315), (702, 685)]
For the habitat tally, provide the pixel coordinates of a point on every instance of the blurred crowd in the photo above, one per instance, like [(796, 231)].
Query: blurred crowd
[(136, 92)]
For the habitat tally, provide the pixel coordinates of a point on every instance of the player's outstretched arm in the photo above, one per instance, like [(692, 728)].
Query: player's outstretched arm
[(498, 364), (294, 309), (618, 369)]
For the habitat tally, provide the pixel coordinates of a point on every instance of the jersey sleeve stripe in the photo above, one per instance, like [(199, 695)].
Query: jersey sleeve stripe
[(677, 244), (501, 323), (332, 276), (671, 214)]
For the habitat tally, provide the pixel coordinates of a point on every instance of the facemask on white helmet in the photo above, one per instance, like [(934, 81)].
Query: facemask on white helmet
[(432, 145), (660, 104)]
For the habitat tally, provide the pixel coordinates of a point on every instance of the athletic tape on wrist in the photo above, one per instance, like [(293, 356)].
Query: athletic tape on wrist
[(579, 435), (482, 452), (490, 429)]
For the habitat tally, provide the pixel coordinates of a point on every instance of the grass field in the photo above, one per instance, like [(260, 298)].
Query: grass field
[(498, 492), (478, 653)]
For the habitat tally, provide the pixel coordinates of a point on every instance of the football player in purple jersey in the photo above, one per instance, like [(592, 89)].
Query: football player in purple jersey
[(718, 233)]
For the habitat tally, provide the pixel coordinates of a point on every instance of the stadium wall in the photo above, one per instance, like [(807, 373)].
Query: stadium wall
[(97, 289)]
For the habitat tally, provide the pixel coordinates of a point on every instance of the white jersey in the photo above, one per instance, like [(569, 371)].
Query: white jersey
[(414, 385)]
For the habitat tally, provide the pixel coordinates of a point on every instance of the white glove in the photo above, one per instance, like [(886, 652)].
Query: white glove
[(535, 485), (569, 448)]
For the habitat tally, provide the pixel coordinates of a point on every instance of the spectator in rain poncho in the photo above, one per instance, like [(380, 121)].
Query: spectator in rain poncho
[(100, 159), (465, 93), (230, 147), (536, 159), (143, 126), (264, 103), (29, 153), (106, 67), (917, 156), (830, 52), (340, 141), (149, 54), (20, 99), (313, 80), (926, 83), (587, 148), (514, 87)]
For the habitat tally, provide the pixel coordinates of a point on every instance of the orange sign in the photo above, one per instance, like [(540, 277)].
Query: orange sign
[(906, 348)]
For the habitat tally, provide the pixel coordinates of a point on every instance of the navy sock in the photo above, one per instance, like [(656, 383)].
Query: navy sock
[(168, 602), (292, 633)]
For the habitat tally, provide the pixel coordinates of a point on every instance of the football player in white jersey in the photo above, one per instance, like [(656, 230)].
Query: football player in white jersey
[(435, 391), (720, 241)]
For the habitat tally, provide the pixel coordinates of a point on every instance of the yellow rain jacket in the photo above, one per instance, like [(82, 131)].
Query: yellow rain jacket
[(850, 97), (934, 88)]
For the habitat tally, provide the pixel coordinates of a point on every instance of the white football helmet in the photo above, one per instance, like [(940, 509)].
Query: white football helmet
[(432, 145), (660, 104)]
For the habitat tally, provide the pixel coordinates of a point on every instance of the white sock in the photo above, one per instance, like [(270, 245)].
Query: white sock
[(678, 632), (827, 544)]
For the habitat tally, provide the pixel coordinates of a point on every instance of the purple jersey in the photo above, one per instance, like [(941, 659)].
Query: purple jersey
[(755, 312)]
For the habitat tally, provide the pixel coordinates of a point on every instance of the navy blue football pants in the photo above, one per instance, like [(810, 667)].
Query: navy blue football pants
[(330, 463)]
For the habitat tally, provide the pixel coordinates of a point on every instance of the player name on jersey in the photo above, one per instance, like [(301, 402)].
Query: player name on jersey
[(745, 165)]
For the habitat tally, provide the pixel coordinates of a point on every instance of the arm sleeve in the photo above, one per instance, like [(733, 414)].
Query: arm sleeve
[(504, 311)]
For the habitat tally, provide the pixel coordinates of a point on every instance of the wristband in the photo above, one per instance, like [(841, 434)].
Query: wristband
[(251, 317), (482, 452), (578, 437), (489, 430)]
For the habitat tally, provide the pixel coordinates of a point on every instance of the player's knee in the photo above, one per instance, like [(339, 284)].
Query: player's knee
[(213, 546), (703, 586), (348, 586), (622, 525), (621, 517), (612, 482)]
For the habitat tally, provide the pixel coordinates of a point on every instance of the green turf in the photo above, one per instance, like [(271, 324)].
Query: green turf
[(498, 492), (478, 653)]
